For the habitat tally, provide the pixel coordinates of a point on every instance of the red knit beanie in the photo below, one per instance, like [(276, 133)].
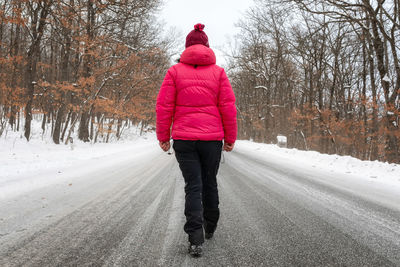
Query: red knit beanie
[(197, 36)]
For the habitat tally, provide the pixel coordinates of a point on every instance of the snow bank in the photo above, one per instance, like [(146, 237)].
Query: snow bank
[(380, 172), (26, 165)]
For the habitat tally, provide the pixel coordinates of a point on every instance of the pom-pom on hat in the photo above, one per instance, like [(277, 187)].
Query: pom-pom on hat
[(197, 36)]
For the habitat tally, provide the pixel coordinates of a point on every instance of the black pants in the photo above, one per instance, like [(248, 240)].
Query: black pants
[(199, 163)]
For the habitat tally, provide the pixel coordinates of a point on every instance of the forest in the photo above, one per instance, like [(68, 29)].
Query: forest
[(81, 65), (324, 73)]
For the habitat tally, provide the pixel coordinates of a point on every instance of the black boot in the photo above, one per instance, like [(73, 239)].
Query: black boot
[(195, 250), (208, 235)]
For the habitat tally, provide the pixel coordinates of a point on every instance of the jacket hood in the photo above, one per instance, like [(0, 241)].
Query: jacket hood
[(198, 55)]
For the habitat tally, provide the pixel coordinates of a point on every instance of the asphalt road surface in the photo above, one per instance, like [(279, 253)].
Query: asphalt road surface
[(132, 215)]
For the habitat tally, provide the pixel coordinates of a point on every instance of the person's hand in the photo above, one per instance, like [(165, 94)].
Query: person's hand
[(228, 146), (165, 145)]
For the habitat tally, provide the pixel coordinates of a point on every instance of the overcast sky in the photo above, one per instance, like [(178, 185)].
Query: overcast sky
[(219, 17)]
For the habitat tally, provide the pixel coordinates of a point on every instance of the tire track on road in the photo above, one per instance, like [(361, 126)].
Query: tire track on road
[(268, 218)]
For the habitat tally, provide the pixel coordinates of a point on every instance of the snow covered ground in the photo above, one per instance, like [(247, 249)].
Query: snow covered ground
[(376, 171), (25, 166)]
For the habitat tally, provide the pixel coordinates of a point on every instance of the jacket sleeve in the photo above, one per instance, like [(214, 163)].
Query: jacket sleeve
[(227, 109), (165, 107)]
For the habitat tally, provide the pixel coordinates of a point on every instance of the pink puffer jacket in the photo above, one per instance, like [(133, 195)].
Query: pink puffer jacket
[(197, 97)]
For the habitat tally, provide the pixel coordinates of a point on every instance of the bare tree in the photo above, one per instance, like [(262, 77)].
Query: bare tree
[(323, 73)]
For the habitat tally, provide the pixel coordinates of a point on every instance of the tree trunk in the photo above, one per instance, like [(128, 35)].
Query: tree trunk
[(66, 124), (19, 119), (110, 124), (30, 74), (364, 100), (57, 126), (84, 128), (84, 125), (71, 129), (99, 127), (65, 55), (91, 127), (44, 123), (374, 126), (118, 134), (38, 26)]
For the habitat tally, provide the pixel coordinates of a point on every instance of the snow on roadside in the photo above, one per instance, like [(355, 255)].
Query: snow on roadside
[(25, 166), (381, 172), (25, 158)]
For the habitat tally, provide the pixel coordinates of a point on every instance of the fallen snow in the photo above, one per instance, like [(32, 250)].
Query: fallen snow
[(281, 138), (25, 166), (382, 173)]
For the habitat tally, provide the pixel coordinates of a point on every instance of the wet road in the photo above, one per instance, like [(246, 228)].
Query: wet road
[(132, 215)]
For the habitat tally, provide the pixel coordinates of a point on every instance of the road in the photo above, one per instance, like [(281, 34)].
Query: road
[(131, 214)]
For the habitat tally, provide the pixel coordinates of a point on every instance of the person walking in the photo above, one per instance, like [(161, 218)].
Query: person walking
[(196, 97)]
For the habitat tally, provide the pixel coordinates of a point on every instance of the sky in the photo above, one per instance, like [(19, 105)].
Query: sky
[(218, 16)]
